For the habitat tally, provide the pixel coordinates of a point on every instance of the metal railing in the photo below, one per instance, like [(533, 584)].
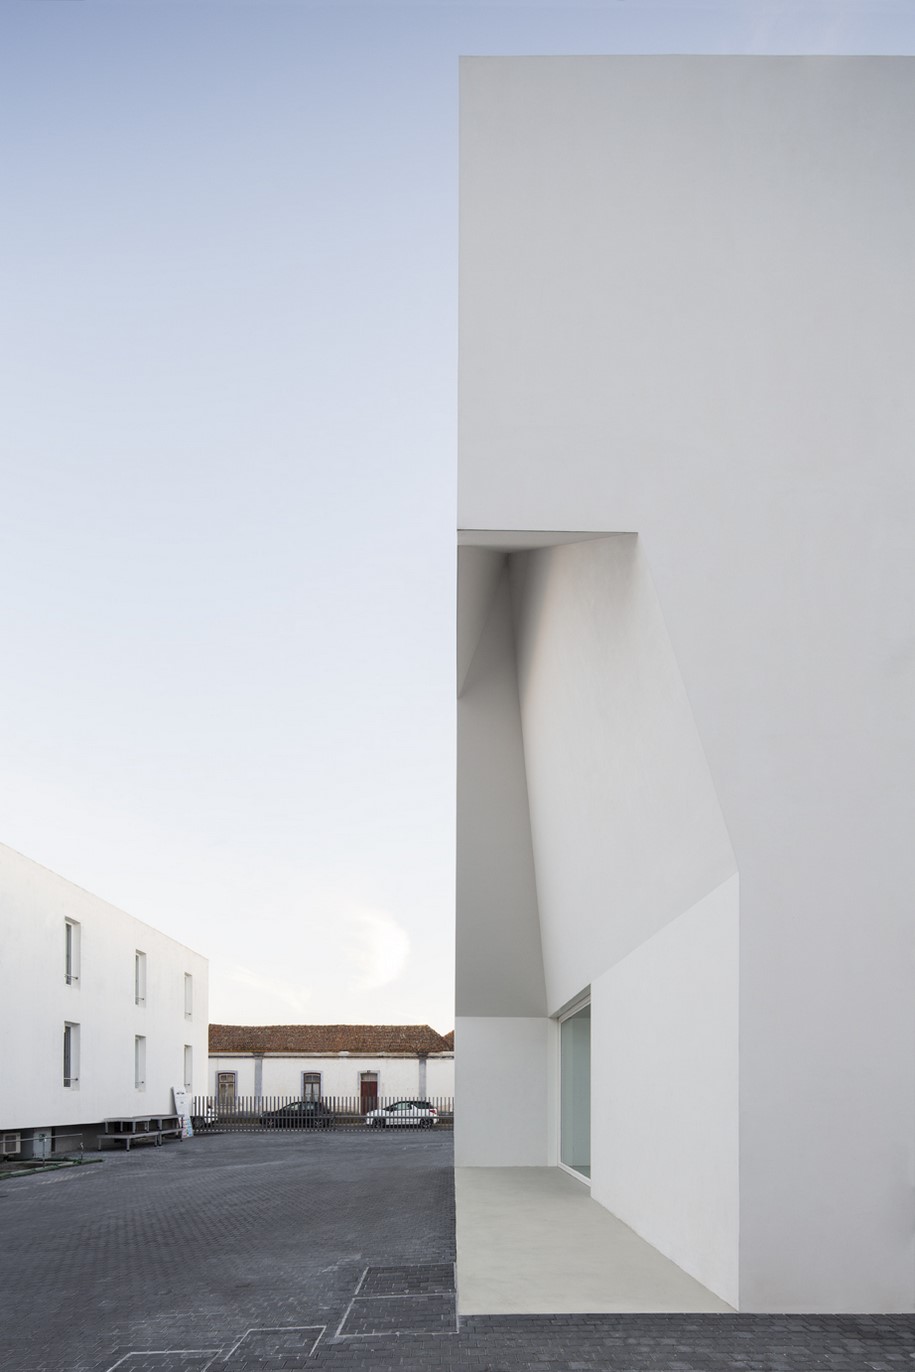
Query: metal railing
[(260, 1114)]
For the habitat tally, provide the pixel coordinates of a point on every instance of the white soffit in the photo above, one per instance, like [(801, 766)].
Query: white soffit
[(481, 555), (522, 540)]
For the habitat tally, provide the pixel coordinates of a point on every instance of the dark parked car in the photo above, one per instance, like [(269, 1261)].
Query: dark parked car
[(300, 1114)]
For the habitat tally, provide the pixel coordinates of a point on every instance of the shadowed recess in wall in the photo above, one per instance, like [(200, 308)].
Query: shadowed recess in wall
[(585, 803), (593, 858)]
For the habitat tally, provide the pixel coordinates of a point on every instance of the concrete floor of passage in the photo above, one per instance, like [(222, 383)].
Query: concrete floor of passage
[(531, 1241)]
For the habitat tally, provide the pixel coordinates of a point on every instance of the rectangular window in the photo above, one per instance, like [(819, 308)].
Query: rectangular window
[(188, 1067), (226, 1086), (139, 978), (71, 952), (139, 1062), (311, 1085), (71, 1054), (188, 996)]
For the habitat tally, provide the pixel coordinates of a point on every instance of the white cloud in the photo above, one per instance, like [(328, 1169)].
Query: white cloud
[(344, 957), (375, 947)]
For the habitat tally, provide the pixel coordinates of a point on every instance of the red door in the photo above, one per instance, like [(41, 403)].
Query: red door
[(368, 1090)]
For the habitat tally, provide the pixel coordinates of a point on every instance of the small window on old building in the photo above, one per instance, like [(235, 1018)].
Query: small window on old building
[(226, 1089), (311, 1085)]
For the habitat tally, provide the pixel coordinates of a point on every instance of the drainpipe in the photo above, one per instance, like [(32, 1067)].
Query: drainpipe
[(258, 1076), (422, 1076)]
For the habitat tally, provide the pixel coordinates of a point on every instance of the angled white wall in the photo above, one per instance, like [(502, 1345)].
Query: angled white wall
[(637, 895), (664, 1114), (688, 312), (627, 830)]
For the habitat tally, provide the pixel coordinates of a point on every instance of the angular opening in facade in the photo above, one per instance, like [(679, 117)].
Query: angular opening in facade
[(592, 853)]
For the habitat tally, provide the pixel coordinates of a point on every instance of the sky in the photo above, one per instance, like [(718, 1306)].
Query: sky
[(228, 367)]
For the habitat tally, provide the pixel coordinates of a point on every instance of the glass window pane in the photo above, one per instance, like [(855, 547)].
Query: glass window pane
[(575, 1091), (311, 1085)]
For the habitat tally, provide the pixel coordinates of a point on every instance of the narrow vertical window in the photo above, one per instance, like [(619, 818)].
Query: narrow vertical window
[(188, 1067), (71, 1054), (139, 978), (139, 1062), (575, 1091), (71, 952), (188, 996)]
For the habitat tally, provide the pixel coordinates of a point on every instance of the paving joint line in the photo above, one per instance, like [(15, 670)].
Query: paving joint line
[(156, 1352)]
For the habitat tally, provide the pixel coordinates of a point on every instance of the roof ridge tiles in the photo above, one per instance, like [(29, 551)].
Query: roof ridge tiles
[(363, 1039)]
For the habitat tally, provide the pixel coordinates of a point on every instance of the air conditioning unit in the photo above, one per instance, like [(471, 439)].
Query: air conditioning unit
[(10, 1143)]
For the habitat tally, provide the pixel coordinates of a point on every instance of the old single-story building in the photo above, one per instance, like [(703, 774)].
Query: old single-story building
[(365, 1063)]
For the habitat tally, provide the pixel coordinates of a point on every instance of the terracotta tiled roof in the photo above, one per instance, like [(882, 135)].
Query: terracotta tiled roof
[(362, 1039), (449, 1039)]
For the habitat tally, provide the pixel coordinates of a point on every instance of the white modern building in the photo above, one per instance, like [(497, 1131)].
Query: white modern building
[(361, 1063), (101, 1016), (686, 661)]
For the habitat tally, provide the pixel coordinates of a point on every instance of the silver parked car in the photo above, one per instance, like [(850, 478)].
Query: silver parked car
[(418, 1114)]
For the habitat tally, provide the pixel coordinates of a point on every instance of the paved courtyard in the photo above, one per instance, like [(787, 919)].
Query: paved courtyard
[(276, 1252)]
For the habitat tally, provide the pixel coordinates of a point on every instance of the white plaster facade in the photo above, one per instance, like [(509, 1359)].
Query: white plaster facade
[(341, 1075), (686, 715), (90, 980)]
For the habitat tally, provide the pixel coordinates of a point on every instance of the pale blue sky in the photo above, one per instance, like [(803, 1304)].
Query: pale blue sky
[(227, 459)]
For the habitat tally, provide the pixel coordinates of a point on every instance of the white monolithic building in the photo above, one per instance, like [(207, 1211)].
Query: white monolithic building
[(101, 1016), (686, 716)]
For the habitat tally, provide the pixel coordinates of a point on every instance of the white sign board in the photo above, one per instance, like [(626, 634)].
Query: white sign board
[(182, 1109)]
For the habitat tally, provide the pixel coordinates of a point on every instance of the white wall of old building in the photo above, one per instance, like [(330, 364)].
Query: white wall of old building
[(282, 1075), (687, 317), (100, 1000)]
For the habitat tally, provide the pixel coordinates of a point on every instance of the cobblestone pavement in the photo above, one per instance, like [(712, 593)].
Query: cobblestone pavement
[(288, 1252)]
